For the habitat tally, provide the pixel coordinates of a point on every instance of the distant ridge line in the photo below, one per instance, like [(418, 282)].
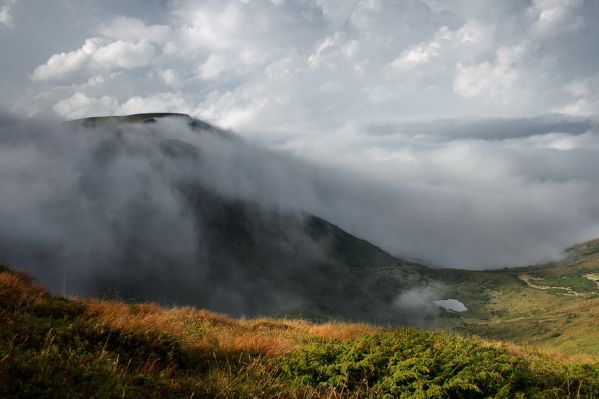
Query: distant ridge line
[(133, 118)]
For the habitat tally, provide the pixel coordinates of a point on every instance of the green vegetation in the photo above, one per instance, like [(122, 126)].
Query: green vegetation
[(418, 364), (55, 347), (553, 306)]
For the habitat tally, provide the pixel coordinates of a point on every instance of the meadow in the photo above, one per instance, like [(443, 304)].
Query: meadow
[(52, 346)]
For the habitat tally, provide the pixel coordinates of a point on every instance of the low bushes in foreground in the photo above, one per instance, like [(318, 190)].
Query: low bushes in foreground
[(411, 363)]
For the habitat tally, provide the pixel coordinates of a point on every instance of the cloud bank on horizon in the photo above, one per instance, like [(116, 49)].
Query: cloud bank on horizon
[(484, 110)]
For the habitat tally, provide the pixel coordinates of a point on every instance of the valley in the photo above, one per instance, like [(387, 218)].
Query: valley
[(554, 306), (225, 296)]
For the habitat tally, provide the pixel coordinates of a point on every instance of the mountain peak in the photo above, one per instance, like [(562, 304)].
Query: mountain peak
[(133, 118)]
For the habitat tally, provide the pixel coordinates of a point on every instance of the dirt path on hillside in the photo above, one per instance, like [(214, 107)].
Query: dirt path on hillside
[(593, 277), (527, 279)]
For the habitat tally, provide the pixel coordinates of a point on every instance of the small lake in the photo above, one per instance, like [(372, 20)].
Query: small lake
[(451, 304)]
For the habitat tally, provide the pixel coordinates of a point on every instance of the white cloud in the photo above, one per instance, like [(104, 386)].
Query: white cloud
[(580, 107), (63, 64), (329, 44), (314, 80), (492, 81), (586, 97), (209, 26), (134, 29), (283, 68), (563, 141), (214, 67), (96, 54), (262, 28), (122, 54), (556, 16), (366, 13), (80, 105), (232, 109), (5, 16), (320, 64), (161, 102), (464, 43), (421, 53), (169, 76)]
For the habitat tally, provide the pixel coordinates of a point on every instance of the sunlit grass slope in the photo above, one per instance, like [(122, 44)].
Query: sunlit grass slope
[(56, 347), (553, 306)]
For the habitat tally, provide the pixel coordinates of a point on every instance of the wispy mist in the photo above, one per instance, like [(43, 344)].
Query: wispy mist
[(462, 135), (176, 214), (461, 203), (166, 211)]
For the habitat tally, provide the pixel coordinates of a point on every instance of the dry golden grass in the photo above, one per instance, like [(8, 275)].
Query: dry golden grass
[(22, 287), (530, 352), (202, 329), (218, 334), (343, 331)]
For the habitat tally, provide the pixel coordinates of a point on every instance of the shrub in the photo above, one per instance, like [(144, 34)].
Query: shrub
[(417, 364)]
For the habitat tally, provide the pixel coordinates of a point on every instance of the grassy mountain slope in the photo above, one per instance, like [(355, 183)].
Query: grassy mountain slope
[(238, 256), (554, 305), (56, 347), (252, 260)]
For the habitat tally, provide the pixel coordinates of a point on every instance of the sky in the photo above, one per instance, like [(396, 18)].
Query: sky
[(474, 122)]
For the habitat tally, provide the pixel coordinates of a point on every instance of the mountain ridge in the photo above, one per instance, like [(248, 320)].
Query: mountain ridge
[(250, 259)]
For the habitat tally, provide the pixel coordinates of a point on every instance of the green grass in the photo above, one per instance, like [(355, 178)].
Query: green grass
[(503, 306), (55, 347)]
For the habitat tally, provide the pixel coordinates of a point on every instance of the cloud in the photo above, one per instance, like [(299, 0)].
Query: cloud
[(246, 27), (447, 198), (556, 16), (5, 16), (437, 102), (126, 55), (420, 54), (586, 99), (376, 60), (97, 54), (453, 187), (153, 211), (80, 105), (169, 76), (162, 102), (472, 38), (487, 129), (62, 64), (418, 302), (492, 81), (214, 67), (134, 30), (232, 109)]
